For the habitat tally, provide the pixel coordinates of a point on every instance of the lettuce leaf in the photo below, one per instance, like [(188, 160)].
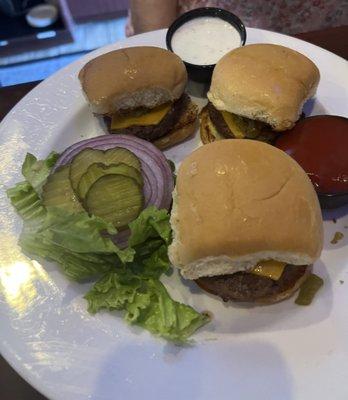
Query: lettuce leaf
[(76, 266), (147, 304), (25, 196), (36, 171), (151, 223), (81, 233), (26, 201), (136, 288), (150, 237), (74, 240)]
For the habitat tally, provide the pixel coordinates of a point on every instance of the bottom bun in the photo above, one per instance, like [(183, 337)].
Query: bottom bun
[(248, 287), (184, 128), (177, 135)]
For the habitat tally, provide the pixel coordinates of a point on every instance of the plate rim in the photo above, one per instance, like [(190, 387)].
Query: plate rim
[(16, 364)]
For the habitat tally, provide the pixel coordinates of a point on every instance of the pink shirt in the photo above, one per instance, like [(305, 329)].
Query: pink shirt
[(286, 16)]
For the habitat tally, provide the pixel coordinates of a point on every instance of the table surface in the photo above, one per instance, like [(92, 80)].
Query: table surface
[(13, 387)]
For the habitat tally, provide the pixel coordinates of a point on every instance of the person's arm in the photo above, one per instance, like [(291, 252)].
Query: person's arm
[(149, 15)]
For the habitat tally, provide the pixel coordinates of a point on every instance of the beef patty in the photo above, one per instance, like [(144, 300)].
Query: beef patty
[(253, 129), (153, 132), (218, 121), (245, 286)]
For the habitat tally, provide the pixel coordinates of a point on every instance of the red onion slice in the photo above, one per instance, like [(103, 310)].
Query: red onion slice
[(158, 180), (121, 239)]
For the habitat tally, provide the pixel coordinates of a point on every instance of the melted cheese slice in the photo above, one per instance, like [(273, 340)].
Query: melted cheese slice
[(231, 123), (152, 117), (270, 269)]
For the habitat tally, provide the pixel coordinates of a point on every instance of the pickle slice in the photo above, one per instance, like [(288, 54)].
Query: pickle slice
[(86, 157), (57, 191), (96, 170), (308, 290), (115, 198), (120, 155), (80, 163)]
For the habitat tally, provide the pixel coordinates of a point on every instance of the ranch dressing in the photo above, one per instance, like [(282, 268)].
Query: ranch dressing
[(204, 40)]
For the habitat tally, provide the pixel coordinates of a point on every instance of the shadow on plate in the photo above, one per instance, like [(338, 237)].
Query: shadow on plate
[(313, 107), (234, 318), (197, 89), (213, 370), (335, 214)]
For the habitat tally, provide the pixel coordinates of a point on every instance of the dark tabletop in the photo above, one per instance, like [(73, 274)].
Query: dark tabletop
[(12, 386)]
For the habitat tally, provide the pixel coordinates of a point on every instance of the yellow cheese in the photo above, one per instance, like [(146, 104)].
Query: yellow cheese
[(152, 117), (230, 120), (270, 269)]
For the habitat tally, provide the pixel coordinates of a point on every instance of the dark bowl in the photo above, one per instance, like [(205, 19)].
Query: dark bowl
[(332, 200), (202, 73)]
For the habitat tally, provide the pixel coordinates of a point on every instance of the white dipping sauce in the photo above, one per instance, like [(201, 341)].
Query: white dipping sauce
[(204, 40)]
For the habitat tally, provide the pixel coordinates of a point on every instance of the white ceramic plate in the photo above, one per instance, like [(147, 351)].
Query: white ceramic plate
[(276, 352)]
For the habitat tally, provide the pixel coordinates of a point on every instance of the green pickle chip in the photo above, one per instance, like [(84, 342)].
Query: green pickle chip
[(115, 198), (96, 170), (308, 290)]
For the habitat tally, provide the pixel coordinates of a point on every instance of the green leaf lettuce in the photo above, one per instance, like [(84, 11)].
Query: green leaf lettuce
[(36, 171), (147, 304)]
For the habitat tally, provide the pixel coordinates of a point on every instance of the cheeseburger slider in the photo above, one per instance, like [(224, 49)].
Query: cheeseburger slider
[(256, 92), (140, 91), (246, 220)]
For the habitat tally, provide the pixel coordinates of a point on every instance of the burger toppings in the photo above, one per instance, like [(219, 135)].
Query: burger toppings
[(140, 118), (308, 290), (108, 184), (270, 269), (112, 177), (72, 208)]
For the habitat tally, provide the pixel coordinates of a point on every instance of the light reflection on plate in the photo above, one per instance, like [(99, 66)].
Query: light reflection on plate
[(18, 276)]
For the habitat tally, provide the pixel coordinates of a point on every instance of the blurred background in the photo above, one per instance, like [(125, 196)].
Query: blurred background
[(38, 37), (30, 51)]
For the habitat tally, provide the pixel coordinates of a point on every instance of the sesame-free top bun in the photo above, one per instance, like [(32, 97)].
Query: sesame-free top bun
[(238, 202), (265, 82), (133, 77)]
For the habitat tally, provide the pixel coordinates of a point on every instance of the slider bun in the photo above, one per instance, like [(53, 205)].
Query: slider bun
[(133, 77), (265, 82), (176, 136), (240, 201)]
